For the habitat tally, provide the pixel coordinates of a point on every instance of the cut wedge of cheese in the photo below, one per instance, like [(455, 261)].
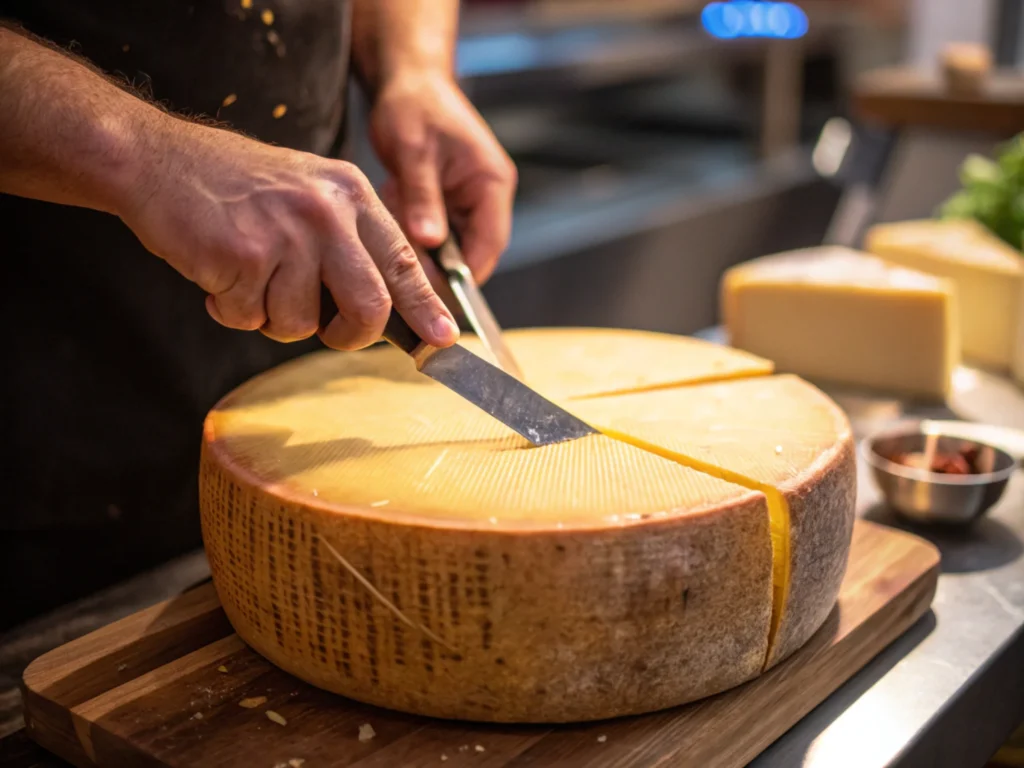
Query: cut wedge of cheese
[(370, 532), (597, 361), (778, 435), (987, 273), (837, 315)]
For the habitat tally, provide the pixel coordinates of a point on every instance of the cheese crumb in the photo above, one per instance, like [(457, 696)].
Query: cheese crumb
[(253, 702), (296, 762), (366, 732), (444, 757), (197, 716), (279, 111), (273, 717), (267, 16), (122, 667), (230, 99), (222, 669), (602, 738), (464, 747), (479, 748)]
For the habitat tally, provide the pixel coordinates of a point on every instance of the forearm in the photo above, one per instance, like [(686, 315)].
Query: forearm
[(391, 37), (67, 133)]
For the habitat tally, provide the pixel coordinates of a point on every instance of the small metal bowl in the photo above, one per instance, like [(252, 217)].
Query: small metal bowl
[(931, 497)]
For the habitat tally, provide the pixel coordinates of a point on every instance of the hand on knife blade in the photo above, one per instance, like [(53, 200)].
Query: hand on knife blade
[(448, 258)]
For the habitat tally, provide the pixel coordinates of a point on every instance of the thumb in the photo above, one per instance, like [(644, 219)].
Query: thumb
[(422, 204)]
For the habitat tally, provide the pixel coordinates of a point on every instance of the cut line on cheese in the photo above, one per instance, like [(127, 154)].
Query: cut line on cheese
[(778, 511)]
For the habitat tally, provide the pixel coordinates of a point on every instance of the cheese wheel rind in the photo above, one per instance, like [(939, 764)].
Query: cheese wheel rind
[(536, 626), (822, 507)]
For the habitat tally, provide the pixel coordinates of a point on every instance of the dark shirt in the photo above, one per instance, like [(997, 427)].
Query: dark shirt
[(111, 361)]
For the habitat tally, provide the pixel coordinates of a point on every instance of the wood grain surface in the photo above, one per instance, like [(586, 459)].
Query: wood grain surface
[(163, 688), (903, 98)]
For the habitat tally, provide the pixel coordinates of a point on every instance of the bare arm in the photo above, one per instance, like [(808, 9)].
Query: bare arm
[(259, 228), (392, 37), (67, 133), (443, 159)]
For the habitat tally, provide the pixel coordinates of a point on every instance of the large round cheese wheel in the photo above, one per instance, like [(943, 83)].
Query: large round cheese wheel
[(375, 535)]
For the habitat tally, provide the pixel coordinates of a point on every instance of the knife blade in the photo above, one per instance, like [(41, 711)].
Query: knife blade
[(448, 258), (484, 385)]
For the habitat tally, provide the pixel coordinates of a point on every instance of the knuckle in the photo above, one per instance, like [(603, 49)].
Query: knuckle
[(401, 264), (371, 311), (250, 255), (508, 171), (353, 182)]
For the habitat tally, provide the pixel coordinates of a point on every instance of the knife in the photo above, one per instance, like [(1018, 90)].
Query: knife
[(486, 386), (448, 258)]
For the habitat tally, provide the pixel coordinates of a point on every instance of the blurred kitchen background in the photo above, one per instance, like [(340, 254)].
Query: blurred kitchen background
[(652, 154)]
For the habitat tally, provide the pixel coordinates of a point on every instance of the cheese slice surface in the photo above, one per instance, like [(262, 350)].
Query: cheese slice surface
[(428, 455), (585, 362), (379, 537), (987, 273), (837, 315), (778, 435)]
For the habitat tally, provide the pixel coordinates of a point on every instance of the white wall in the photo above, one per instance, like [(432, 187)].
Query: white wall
[(933, 23)]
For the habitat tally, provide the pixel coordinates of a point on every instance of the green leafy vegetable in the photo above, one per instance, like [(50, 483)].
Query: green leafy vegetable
[(993, 192)]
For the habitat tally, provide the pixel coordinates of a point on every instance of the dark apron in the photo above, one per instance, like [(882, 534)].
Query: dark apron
[(110, 360)]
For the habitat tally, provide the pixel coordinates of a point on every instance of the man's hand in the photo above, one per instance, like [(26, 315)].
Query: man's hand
[(442, 158), (259, 227)]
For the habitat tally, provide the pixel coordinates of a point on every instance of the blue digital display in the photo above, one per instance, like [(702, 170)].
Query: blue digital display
[(754, 18)]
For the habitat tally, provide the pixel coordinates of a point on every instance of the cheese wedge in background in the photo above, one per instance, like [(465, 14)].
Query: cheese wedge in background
[(583, 362), (987, 272), (834, 314), (778, 435)]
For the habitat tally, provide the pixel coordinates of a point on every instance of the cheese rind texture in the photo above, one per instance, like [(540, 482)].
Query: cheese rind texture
[(778, 434), (836, 315), (373, 534), (987, 273)]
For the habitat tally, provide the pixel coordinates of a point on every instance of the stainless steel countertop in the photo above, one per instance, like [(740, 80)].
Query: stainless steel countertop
[(949, 692)]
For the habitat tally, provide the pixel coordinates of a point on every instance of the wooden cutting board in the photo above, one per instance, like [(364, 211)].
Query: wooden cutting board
[(162, 688)]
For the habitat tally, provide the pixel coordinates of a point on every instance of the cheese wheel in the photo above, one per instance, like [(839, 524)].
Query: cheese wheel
[(779, 435), (375, 535), (988, 275)]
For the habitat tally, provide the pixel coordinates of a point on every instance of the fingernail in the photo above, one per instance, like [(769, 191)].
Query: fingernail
[(427, 227), (445, 328)]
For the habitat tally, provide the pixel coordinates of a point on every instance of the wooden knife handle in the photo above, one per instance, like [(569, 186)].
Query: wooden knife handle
[(397, 331)]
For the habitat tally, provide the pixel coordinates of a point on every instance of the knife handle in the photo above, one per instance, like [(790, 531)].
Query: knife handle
[(397, 331), (448, 256)]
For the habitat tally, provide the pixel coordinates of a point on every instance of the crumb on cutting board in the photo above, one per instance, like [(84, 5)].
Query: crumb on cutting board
[(253, 702), (274, 717), (366, 732)]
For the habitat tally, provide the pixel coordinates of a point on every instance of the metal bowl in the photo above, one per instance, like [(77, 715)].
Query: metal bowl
[(931, 497)]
